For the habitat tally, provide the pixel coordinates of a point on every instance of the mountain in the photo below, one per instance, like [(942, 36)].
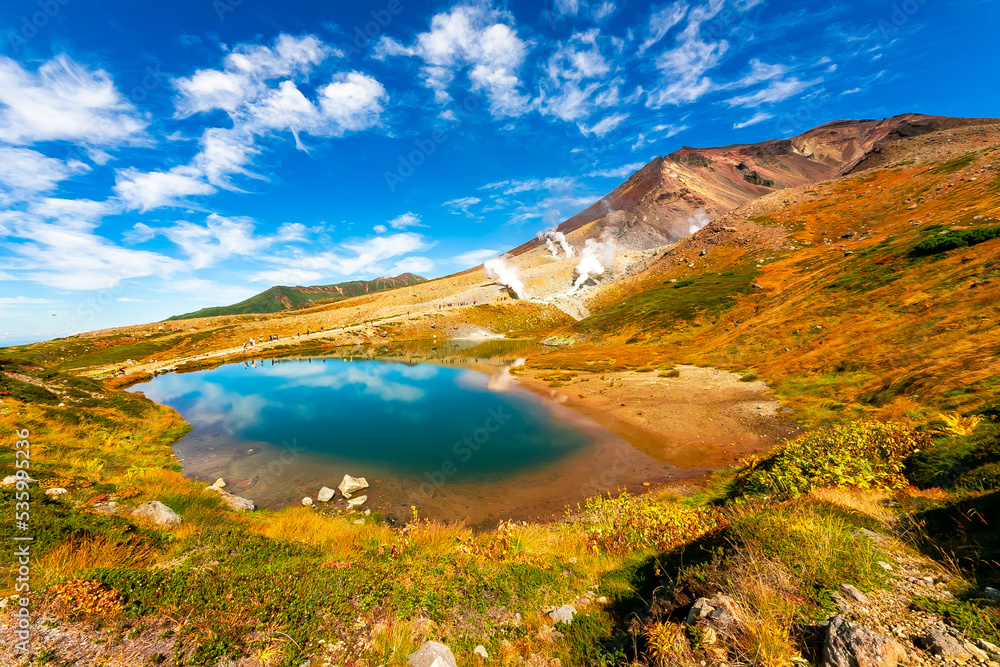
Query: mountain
[(664, 200), (280, 297)]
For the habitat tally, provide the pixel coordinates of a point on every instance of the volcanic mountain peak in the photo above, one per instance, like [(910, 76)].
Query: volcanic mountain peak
[(672, 195)]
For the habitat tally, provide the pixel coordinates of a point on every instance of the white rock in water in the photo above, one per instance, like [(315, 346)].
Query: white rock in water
[(236, 502), (307, 501), (357, 502), (219, 484), (325, 494), (351, 485), (57, 491), (158, 513), (432, 654)]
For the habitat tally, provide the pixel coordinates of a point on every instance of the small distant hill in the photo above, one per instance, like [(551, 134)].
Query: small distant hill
[(280, 297)]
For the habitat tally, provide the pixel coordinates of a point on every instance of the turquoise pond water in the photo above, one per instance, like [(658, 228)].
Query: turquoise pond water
[(459, 443)]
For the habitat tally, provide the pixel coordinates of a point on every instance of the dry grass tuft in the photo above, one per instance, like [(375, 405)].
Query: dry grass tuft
[(869, 503), (341, 539), (77, 555)]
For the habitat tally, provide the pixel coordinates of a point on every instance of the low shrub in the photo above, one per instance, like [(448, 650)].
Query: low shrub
[(866, 454), (626, 523), (959, 238)]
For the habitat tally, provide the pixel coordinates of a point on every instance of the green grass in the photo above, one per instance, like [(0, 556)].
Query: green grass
[(954, 165), (951, 240), (664, 305)]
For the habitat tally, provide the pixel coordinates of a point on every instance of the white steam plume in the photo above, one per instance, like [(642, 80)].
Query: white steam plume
[(698, 220), (595, 258), (550, 235), (506, 274)]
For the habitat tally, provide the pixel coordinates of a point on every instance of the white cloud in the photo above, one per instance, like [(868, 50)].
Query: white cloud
[(462, 205), (758, 117), (474, 257), (684, 66), (21, 300), (286, 276), (380, 229), (775, 91), (412, 265), (575, 82), (149, 190), (851, 91), (658, 133), (660, 23), (515, 186), (64, 101), (24, 173), (618, 172), (605, 125), (567, 7), (476, 39), (405, 220), (366, 257)]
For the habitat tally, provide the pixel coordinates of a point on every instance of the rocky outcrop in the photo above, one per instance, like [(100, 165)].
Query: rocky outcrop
[(432, 654), (158, 513), (851, 645), (235, 502)]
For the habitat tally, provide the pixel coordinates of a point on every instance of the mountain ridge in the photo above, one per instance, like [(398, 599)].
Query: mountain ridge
[(283, 297)]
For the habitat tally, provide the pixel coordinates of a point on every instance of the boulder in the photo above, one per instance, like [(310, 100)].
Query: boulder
[(357, 502), (432, 654), (11, 480), (158, 513), (851, 645), (991, 593), (939, 642), (699, 610), (853, 593), (325, 494), (235, 502), (481, 652), (563, 614), (307, 501), (351, 485), (55, 491)]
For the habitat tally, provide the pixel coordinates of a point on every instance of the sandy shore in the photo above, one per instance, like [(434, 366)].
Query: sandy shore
[(704, 418)]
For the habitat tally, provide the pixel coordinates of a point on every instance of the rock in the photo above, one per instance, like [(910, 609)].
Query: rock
[(720, 617), (699, 610), (984, 645), (235, 502), (977, 653), (325, 494), (853, 593), (307, 501), (939, 642), (432, 654), (219, 484), (158, 513), (350, 485), (723, 601), (851, 645), (55, 491), (563, 614), (708, 635), (106, 508), (11, 480), (481, 652), (357, 502), (991, 593)]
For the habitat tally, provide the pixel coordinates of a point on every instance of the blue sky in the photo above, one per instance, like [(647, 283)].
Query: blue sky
[(156, 158)]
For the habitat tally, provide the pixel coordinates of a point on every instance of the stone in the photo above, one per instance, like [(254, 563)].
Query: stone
[(11, 480), (235, 502), (720, 617), (325, 494), (977, 653), (708, 635), (219, 483), (699, 610), (939, 642), (853, 593), (432, 654), (563, 614), (351, 485), (357, 502), (991, 593), (55, 491), (723, 601), (984, 645), (158, 513), (851, 645), (307, 501), (481, 652), (105, 508)]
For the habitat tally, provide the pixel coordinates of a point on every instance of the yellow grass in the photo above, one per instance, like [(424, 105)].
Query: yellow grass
[(342, 539), (764, 613), (76, 555), (869, 503)]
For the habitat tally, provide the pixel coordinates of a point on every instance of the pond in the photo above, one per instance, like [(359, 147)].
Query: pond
[(457, 443)]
